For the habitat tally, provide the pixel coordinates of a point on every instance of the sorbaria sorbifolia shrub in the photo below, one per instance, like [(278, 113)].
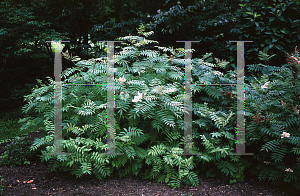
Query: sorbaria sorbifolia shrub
[(149, 123)]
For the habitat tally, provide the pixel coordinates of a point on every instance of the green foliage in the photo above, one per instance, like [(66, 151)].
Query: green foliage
[(273, 120), (205, 21), (9, 126), (23, 50), (18, 22), (271, 25), (149, 91), (271, 112), (149, 129), (1, 186), (17, 152)]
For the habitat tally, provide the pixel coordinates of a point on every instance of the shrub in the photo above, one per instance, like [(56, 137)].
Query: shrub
[(17, 152), (149, 104), (1, 186), (205, 21), (149, 98), (271, 25), (272, 119)]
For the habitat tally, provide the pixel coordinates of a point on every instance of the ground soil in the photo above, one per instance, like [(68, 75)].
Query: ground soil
[(37, 179)]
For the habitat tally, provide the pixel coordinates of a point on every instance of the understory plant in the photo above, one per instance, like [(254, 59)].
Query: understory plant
[(271, 25), (272, 121), (17, 152), (149, 104), (1, 185), (149, 110)]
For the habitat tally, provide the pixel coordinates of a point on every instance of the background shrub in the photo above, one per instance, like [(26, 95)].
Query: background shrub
[(272, 123), (271, 25), (272, 118), (205, 21), (1, 186), (17, 152)]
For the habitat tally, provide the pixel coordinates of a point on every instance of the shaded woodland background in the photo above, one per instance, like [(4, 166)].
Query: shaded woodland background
[(26, 26)]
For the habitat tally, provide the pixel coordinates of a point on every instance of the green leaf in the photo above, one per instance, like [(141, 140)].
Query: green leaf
[(268, 32), (279, 47), (273, 39), (250, 13), (235, 30), (271, 19), (256, 23), (167, 179), (281, 18), (283, 9), (282, 30), (256, 15)]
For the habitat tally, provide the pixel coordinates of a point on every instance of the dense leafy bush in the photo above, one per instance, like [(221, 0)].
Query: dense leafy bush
[(1, 186), (208, 22), (17, 152), (271, 25), (149, 99), (205, 21), (272, 121), (149, 91)]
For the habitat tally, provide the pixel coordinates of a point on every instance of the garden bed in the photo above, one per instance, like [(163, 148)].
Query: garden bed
[(36, 179)]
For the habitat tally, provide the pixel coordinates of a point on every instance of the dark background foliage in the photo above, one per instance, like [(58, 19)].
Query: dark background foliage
[(27, 25)]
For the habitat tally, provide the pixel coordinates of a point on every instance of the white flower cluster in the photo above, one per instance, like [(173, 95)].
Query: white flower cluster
[(289, 170), (285, 134), (170, 90), (265, 85), (139, 97), (122, 80)]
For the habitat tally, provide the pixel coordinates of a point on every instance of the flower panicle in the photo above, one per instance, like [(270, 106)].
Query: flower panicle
[(139, 97), (265, 85), (122, 80), (285, 134)]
